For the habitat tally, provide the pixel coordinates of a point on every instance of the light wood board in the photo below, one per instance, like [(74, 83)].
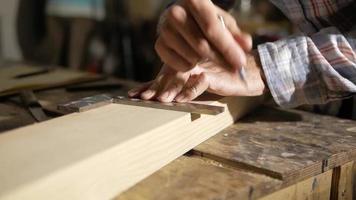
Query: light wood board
[(102, 152)]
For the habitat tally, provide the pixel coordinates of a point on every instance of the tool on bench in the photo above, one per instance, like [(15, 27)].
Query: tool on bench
[(89, 103), (30, 101), (35, 73)]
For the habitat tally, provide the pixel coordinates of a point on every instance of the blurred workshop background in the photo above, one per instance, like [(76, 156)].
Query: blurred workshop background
[(114, 37)]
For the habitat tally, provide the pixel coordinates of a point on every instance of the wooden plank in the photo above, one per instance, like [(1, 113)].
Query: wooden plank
[(347, 182), (289, 145), (315, 188), (9, 84), (99, 153), (195, 178), (13, 115)]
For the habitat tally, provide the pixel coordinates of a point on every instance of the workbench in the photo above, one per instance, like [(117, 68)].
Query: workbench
[(270, 154)]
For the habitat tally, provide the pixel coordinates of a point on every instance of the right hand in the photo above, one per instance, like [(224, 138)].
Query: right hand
[(190, 32)]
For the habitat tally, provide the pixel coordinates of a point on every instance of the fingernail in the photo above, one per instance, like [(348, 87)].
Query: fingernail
[(181, 99), (165, 96), (162, 97), (147, 94), (133, 92)]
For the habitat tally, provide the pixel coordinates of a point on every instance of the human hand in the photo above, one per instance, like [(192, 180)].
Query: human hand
[(190, 32), (171, 85)]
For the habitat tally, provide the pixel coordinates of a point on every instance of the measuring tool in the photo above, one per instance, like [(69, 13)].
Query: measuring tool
[(93, 102)]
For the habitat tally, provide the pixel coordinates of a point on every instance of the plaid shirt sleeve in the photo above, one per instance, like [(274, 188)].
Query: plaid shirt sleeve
[(319, 65)]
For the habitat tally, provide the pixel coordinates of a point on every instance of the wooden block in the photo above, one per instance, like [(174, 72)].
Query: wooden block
[(347, 182), (102, 152), (315, 188), (289, 145), (195, 178)]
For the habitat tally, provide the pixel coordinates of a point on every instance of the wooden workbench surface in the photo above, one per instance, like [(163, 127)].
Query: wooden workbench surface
[(269, 151)]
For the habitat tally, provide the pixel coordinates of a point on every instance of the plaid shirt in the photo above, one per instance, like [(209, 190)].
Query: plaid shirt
[(319, 65)]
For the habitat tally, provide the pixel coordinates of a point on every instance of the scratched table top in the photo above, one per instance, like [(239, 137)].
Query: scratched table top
[(264, 152)]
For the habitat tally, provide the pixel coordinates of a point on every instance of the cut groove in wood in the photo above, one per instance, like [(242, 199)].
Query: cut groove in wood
[(335, 180)]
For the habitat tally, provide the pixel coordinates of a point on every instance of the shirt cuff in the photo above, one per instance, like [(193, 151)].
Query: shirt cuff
[(289, 75)]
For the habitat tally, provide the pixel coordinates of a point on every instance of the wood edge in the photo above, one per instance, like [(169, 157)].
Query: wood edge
[(238, 165), (225, 119), (316, 188), (344, 187)]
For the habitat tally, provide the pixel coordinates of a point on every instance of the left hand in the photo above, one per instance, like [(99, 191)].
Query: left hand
[(171, 85)]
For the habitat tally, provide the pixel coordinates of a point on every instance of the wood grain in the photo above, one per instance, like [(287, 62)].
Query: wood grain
[(195, 178), (99, 153), (347, 182), (315, 188), (288, 145)]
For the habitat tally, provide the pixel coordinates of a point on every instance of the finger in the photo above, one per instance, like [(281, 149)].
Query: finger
[(206, 15), (177, 43), (195, 86), (185, 25), (173, 88), (171, 58), (243, 39), (160, 82), (153, 89), (138, 90), (150, 93)]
